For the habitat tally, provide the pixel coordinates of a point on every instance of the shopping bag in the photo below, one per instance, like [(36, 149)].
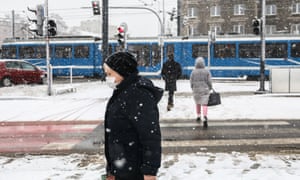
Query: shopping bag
[(214, 98)]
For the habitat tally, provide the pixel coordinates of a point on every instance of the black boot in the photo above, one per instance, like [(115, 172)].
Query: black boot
[(198, 119), (169, 107), (205, 125)]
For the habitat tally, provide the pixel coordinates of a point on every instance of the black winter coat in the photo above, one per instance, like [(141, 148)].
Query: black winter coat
[(132, 130), (171, 71)]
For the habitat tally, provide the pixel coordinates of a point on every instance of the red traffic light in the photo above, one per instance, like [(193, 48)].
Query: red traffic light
[(121, 29), (96, 7)]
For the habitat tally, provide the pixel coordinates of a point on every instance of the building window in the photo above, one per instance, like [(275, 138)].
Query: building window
[(295, 29), (191, 30), (239, 9), (270, 29), (296, 8), (215, 28), (215, 11), (271, 9), (238, 28), (192, 12)]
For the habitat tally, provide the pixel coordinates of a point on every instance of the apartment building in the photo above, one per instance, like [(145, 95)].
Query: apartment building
[(197, 17)]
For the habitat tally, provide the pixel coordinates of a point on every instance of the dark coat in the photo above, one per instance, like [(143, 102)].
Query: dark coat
[(171, 71), (132, 130)]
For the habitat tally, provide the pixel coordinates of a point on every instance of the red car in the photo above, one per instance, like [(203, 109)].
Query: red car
[(20, 72)]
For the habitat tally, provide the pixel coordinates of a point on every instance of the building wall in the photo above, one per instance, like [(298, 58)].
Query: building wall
[(195, 16)]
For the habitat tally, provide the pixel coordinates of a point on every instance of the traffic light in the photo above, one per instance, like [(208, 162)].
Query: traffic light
[(96, 7), (256, 26), (51, 28), (38, 20), (121, 35)]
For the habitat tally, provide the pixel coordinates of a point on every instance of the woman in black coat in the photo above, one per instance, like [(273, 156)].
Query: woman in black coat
[(132, 130)]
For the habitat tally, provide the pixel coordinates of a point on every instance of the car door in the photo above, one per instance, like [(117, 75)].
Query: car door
[(13, 71), (29, 73)]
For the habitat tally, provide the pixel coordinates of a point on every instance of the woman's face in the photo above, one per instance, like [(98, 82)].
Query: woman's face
[(111, 73)]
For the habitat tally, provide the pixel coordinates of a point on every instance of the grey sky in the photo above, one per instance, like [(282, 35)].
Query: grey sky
[(140, 22)]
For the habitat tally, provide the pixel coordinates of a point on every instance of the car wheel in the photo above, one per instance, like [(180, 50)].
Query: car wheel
[(6, 82)]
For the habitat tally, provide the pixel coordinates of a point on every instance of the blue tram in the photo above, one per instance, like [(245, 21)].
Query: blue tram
[(230, 56), (77, 55)]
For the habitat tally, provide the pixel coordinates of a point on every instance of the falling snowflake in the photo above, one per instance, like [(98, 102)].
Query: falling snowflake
[(120, 163)]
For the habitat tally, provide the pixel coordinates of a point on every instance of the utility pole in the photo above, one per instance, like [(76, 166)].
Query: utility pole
[(104, 31), (164, 16), (13, 23), (263, 47), (49, 69)]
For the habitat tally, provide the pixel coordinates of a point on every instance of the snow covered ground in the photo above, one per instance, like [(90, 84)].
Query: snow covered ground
[(31, 103), (198, 166)]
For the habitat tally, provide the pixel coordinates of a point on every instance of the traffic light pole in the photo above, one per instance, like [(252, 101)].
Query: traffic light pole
[(49, 70), (104, 32), (263, 48)]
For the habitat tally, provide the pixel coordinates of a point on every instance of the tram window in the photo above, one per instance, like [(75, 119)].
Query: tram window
[(141, 53), (81, 52), (63, 52), (249, 50), (199, 50), (9, 52), (26, 52), (12, 65), (170, 49), (156, 55), (276, 50), (224, 51), (295, 50), (40, 52)]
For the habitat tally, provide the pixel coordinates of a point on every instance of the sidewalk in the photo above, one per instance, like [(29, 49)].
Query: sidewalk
[(31, 103)]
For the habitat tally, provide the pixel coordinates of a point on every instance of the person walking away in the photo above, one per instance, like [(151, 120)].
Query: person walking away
[(132, 130), (201, 85), (171, 71)]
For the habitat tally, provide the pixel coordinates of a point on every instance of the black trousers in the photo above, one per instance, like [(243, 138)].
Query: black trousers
[(137, 177), (171, 98)]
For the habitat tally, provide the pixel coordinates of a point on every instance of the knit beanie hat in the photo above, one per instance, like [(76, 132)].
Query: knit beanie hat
[(123, 63)]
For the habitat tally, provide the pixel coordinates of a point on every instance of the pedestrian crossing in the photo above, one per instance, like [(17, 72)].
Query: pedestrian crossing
[(177, 135), (166, 124)]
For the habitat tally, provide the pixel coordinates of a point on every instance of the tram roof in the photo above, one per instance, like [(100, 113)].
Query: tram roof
[(204, 38)]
